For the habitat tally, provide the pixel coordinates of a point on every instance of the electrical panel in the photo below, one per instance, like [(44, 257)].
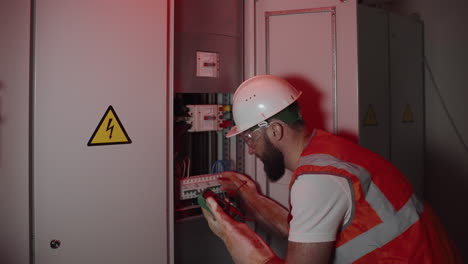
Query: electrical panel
[(201, 154), (208, 67), (201, 150)]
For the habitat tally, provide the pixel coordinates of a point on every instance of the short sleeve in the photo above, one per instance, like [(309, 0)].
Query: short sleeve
[(320, 205)]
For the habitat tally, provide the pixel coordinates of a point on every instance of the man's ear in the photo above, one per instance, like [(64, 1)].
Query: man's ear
[(276, 131)]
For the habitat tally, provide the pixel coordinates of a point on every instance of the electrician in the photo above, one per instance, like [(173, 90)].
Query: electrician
[(347, 204)]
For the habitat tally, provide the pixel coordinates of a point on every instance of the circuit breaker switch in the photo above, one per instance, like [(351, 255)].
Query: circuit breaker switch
[(225, 124), (207, 64), (205, 117), (191, 187), (209, 118)]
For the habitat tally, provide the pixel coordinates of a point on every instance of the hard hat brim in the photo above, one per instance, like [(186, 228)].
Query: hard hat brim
[(234, 131)]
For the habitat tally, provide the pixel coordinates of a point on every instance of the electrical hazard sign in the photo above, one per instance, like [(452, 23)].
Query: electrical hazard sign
[(371, 118), (110, 131)]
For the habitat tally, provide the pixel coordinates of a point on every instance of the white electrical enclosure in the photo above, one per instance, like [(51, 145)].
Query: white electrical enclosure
[(371, 97), (105, 204), (313, 45), (407, 98), (374, 80)]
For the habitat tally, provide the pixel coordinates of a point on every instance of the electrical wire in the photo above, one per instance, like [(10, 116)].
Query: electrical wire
[(219, 166), (185, 167), (188, 167), (452, 122)]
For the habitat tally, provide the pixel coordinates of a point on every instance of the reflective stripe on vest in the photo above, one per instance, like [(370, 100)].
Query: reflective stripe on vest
[(393, 223)]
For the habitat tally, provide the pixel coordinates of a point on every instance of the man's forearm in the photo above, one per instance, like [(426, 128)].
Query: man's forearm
[(267, 212)]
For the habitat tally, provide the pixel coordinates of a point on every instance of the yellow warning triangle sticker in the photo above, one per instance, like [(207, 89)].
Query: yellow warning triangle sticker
[(371, 118), (110, 131), (408, 115)]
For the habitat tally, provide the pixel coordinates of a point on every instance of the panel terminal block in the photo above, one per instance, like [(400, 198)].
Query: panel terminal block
[(207, 117), (191, 187)]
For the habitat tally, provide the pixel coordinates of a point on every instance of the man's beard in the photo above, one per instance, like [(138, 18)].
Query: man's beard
[(273, 161)]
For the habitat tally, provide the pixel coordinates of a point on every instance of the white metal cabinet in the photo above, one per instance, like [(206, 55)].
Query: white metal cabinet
[(407, 97), (315, 47), (106, 204), (391, 86), (374, 80), (312, 44)]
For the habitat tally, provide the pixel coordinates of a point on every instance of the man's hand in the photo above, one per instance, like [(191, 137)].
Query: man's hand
[(218, 221), (265, 211), (244, 245), (237, 184)]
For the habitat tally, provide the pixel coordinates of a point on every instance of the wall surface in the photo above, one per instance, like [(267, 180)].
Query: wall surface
[(446, 166), (14, 101)]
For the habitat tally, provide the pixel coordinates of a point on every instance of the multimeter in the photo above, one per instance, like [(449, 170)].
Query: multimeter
[(228, 207)]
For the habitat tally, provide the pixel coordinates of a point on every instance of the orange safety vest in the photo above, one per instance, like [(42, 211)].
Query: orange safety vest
[(388, 223)]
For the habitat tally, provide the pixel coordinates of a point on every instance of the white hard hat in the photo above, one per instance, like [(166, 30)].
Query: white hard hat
[(258, 99)]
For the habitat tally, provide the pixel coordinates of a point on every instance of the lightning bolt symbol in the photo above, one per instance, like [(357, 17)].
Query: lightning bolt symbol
[(109, 127)]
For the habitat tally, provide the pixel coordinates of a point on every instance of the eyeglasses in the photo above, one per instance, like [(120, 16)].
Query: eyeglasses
[(251, 137)]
